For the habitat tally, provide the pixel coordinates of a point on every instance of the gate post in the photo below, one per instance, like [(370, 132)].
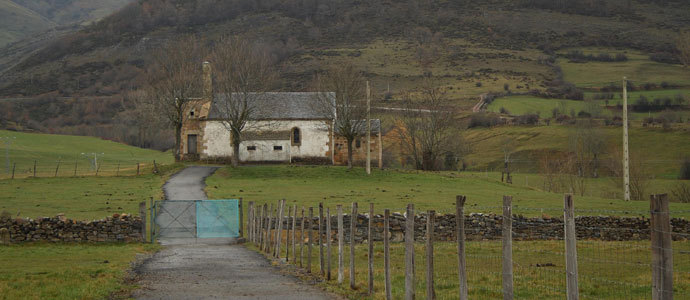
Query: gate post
[(241, 219), (142, 214)]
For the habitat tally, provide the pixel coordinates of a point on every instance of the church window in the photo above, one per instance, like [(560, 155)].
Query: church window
[(296, 136), (278, 148), (251, 148), (358, 143)]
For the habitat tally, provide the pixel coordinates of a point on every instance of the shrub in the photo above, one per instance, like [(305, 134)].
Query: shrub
[(681, 192), (527, 119), (478, 84), (584, 114), (503, 110), (664, 58), (685, 169), (483, 119)]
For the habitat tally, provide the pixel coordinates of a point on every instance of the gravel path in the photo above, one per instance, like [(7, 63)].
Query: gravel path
[(199, 270)]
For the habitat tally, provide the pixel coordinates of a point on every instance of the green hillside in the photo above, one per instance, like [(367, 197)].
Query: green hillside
[(660, 151), (47, 150)]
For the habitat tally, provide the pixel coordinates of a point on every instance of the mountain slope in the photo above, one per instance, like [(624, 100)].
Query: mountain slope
[(20, 19), (17, 22), (471, 46)]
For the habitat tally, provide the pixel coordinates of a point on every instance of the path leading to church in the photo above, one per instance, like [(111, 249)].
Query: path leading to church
[(213, 271)]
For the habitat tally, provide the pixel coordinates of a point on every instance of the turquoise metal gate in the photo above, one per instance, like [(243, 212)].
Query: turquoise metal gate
[(217, 219), (196, 218)]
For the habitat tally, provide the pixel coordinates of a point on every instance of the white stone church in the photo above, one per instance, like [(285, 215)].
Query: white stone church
[(285, 127)]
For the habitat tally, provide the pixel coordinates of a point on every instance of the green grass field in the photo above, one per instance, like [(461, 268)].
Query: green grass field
[(607, 270), (520, 105), (394, 189), (638, 69), (66, 271), (81, 198), (660, 151), (47, 150)]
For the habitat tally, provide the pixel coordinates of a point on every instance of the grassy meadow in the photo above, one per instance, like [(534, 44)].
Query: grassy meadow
[(607, 270), (66, 271), (47, 150), (638, 68), (73, 271), (79, 198), (394, 189), (520, 105)]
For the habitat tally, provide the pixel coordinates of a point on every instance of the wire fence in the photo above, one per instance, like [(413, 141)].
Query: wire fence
[(569, 257), (77, 169)]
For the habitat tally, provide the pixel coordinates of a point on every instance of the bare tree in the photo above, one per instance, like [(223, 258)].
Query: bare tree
[(349, 108), (508, 147), (174, 82), (683, 46), (587, 144), (639, 179), (143, 116), (243, 73), (428, 129)]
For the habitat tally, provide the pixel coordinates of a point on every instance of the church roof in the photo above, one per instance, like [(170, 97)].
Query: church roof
[(362, 126), (279, 105)]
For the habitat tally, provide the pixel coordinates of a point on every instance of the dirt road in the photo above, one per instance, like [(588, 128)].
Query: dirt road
[(199, 270)]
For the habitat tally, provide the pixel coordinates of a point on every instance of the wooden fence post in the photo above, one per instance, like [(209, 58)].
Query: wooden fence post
[(34, 169), (507, 248), (292, 238), (353, 233), (430, 293), (241, 208), (262, 226), (387, 254), (311, 218), (269, 231), (14, 166), (328, 243), (257, 224), (279, 229), (152, 221), (287, 234), (142, 214), (409, 253), (117, 173), (570, 248), (370, 241), (75, 169), (257, 230), (460, 235), (249, 221), (320, 233), (301, 240), (341, 244), (662, 251), (57, 168)]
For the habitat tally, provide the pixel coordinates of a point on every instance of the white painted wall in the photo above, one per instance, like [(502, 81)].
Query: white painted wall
[(265, 151), (216, 140), (314, 135)]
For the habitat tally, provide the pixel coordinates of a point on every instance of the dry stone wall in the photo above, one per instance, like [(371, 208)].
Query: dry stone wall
[(488, 227), (118, 228)]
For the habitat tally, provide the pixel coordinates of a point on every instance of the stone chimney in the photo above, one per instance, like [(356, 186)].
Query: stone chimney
[(208, 81)]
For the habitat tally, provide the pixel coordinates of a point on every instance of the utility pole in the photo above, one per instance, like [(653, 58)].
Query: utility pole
[(369, 129), (8, 142), (626, 157)]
